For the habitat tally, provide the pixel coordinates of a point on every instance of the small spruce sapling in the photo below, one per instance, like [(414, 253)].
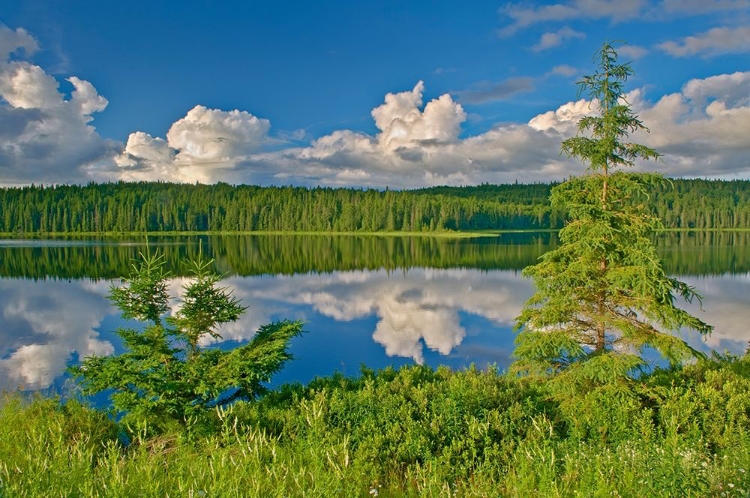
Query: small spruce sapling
[(166, 378)]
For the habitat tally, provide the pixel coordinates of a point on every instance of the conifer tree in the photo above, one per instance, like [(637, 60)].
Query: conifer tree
[(167, 378), (602, 297)]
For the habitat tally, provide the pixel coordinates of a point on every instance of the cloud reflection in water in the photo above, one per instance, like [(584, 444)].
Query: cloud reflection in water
[(43, 322)]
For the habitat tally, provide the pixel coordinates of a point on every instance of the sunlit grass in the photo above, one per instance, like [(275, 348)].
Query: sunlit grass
[(412, 432)]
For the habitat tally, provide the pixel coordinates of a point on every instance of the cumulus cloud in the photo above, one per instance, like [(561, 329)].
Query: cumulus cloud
[(420, 143), (703, 129), (557, 38), (713, 42), (409, 138), (211, 134), (197, 146), (564, 119), (402, 124), (13, 41), (44, 136), (421, 147), (25, 86), (700, 129)]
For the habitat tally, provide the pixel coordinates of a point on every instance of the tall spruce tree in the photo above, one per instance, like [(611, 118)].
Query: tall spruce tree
[(602, 296)]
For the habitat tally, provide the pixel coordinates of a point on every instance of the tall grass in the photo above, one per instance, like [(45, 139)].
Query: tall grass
[(411, 432)]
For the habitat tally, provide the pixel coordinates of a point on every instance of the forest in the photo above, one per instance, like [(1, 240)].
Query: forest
[(167, 207)]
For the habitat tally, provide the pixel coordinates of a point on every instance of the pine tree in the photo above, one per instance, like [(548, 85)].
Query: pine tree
[(602, 297)]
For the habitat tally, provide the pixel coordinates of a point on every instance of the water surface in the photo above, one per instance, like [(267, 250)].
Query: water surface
[(376, 301)]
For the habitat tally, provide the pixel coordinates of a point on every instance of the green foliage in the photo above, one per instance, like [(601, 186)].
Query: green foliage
[(603, 295), (413, 432), (165, 207), (165, 377)]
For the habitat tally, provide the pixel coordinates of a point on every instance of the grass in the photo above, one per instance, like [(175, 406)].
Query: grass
[(411, 432)]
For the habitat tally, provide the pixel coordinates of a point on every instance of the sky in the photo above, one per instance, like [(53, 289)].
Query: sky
[(397, 94)]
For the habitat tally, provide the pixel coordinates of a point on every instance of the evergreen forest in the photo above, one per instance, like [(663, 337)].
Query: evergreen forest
[(167, 207)]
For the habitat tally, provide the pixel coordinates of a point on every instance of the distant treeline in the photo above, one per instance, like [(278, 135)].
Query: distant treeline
[(155, 207)]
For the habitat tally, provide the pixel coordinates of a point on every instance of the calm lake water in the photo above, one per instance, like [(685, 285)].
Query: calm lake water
[(376, 301)]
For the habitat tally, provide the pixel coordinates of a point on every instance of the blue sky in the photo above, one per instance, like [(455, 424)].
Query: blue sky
[(375, 94)]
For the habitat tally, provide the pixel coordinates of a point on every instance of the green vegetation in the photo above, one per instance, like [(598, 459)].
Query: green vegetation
[(166, 376), (414, 432), (603, 296), (164, 207), (192, 420)]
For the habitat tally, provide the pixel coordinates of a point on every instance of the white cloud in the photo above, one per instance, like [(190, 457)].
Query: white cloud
[(44, 136), (215, 135), (557, 38), (25, 86), (197, 148), (145, 158), (564, 119), (85, 98), (695, 7), (731, 89), (402, 124), (632, 51), (564, 70), (416, 148), (12, 41), (523, 16), (703, 129), (713, 42)]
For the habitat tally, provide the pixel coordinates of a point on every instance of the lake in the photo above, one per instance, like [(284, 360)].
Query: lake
[(366, 300)]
